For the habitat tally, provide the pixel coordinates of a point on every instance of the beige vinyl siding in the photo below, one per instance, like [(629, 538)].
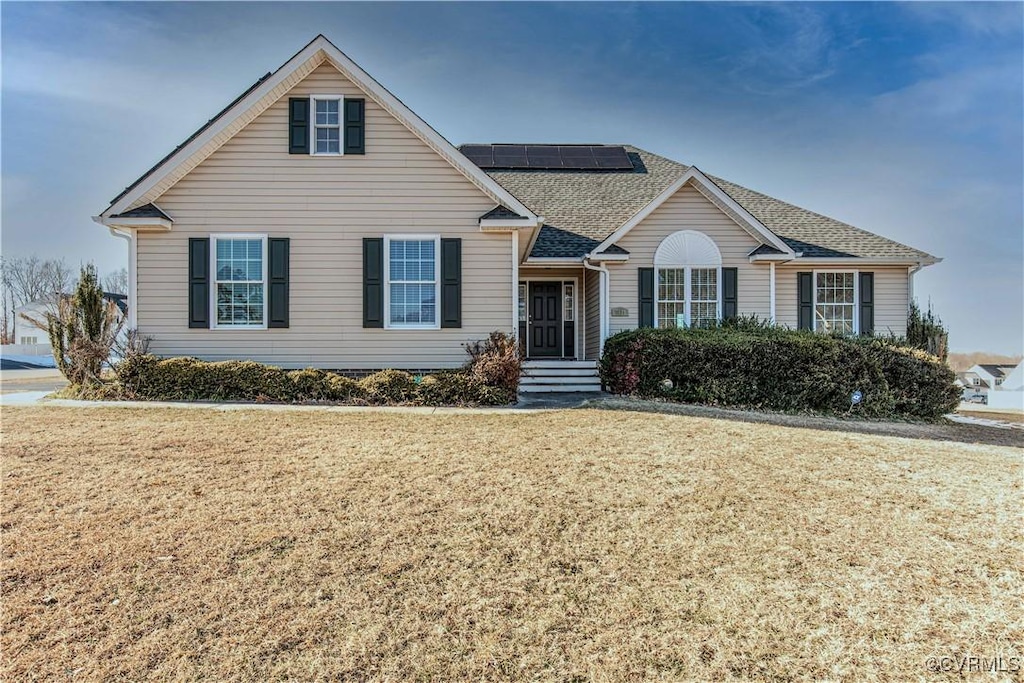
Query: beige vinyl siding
[(891, 295), (326, 205), (687, 209), (592, 295), (528, 273)]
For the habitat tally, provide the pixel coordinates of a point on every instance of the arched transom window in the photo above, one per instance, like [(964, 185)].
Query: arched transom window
[(689, 270)]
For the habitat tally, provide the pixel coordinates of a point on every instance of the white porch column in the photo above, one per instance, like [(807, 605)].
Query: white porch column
[(771, 291)]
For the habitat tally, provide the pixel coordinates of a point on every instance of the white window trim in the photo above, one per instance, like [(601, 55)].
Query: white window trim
[(388, 325), (571, 309), (214, 325), (688, 289), (312, 125), (856, 298)]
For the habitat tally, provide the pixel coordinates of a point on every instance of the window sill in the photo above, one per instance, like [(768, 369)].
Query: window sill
[(412, 327), (238, 327)]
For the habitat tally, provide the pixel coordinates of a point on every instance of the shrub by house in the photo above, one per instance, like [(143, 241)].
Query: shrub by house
[(770, 368)]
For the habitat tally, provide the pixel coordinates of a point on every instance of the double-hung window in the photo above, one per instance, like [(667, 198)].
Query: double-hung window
[(413, 284), (687, 297), (239, 276), (326, 129), (835, 302)]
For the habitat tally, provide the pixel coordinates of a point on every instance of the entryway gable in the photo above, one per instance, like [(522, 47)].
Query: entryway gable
[(694, 179)]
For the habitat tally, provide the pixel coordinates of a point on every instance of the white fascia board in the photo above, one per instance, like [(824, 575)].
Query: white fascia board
[(506, 224), (134, 223), (606, 257), (775, 258), (551, 261), (694, 173), (321, 48), (864, 262)]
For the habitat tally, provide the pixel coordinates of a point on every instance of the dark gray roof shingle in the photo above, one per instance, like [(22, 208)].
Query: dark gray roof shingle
[(144, 211), (500, 212)]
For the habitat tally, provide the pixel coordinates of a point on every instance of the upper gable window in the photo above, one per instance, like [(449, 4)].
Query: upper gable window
[(326, 130)]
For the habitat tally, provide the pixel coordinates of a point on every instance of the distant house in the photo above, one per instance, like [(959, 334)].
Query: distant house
[(29, 338), (27, 334), (998, 386)]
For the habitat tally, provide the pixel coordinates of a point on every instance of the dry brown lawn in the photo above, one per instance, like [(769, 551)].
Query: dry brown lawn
[(574, 545)]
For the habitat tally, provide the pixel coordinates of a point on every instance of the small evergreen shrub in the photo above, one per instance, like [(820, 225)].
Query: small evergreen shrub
[(451, 389), (766, 367), (389, 387)]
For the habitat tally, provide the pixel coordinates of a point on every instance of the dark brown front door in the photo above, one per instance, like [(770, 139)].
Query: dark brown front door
[(545, 319)]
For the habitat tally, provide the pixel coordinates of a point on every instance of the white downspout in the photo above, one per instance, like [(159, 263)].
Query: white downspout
[(602, 290), (910, 285), (771, 291), (129, 236), (515, 284)]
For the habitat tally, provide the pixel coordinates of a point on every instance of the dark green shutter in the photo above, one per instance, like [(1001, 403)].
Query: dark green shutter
[(355, 126), (730, 293), (805, 300), (373, 282), (645, 286), (298, 125), (451, 283), (866, 291), (277, 272), (199, 282)]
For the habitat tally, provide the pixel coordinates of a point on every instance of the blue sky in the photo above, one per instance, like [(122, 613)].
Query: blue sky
[(902, 119)]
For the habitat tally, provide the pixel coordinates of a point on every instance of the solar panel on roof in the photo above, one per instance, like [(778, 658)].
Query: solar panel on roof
[(510, 156), (577, 157), (549, 157), (612, 157), (481, 155), (543, 156)]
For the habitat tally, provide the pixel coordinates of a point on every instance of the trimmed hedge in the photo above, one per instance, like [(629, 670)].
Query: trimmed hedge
[(189, 379), (490, 377), (762, 367)]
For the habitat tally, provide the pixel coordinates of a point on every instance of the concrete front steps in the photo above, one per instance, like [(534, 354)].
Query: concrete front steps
[(562, 376)]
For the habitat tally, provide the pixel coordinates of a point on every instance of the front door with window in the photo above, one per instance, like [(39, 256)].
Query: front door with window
[(545, 319)]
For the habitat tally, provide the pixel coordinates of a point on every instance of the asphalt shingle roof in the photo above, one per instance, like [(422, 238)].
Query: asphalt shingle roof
[(997, 371), (144, 211), (582, 208), (500, 212)]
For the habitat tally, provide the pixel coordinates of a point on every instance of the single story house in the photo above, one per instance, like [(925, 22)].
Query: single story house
[(318, 221)]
